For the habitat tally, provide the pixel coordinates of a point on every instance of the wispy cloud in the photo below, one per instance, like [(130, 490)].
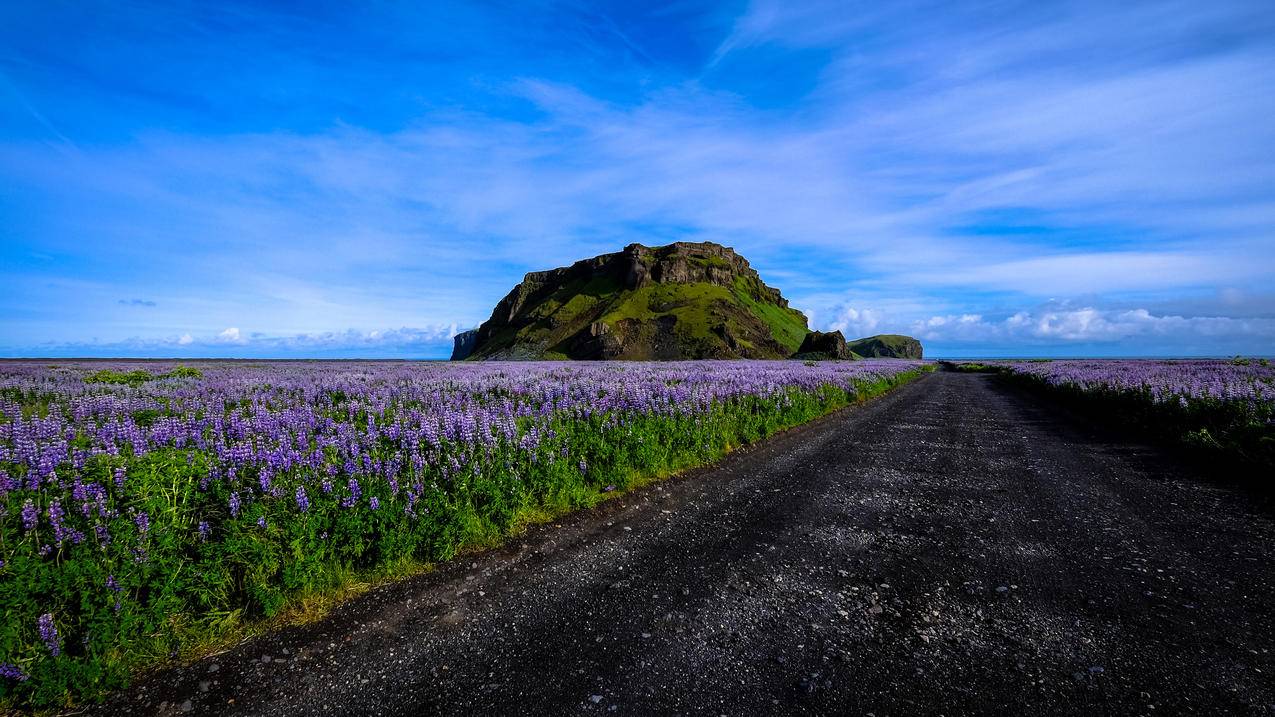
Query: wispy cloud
[(406, 342), (943, 161), (138, 302)]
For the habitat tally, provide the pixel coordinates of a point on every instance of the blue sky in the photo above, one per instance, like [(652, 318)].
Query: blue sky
[(324, 179)]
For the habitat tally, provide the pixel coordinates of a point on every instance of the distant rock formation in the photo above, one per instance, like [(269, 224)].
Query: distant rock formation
[(681, 301), (819, 345), (886, 346)]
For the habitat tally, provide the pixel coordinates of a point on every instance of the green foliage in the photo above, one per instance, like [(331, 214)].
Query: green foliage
[(139, 376), (184, 372), (131, 378), (145, 595)]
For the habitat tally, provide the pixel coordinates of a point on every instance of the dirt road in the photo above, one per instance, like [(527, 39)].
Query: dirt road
[(954, 547)]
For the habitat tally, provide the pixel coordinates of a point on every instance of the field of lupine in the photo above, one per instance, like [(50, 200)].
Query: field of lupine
[(148, 509), (1222, 407)]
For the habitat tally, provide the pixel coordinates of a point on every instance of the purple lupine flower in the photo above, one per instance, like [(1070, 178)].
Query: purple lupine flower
[(12, 672), (143, 522), (120, 474), (103, 534), (234, 505), (30, 516), (49, 634), (112, 584), (355, 492), (56, 514), (303, 501), (374, 503), (204, 530), (261, 522)]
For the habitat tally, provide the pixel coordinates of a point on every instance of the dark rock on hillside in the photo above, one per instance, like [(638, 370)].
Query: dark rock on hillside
[(823, 346), (463, 344), (887, 346), (681, 301)]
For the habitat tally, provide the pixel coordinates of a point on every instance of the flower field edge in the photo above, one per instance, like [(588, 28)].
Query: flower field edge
[(1222, 411), (79, 625)]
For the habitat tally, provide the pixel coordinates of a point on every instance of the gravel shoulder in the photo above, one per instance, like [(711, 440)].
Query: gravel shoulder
[(953, 547)]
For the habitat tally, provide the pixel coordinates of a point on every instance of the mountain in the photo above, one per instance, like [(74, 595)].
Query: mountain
[(681, 301), (886, 346)]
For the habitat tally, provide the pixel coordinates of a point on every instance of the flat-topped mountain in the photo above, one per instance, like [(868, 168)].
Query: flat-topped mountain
[(681, 301), (685, 300)]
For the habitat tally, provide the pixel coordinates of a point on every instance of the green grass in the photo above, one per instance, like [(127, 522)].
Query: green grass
[(139, 376)]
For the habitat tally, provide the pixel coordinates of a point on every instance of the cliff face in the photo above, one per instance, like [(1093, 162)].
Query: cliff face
[(463, 344), (681, 301)]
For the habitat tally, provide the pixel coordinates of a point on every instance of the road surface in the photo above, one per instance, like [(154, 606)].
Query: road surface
[(954, 547)]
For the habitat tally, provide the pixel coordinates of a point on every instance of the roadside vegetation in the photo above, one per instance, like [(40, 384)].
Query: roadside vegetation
[(145, 517), (1222, 410)]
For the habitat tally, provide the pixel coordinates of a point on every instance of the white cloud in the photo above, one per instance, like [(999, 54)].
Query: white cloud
[(855, 323), (185, 340), (1087, 325), (230, 336)]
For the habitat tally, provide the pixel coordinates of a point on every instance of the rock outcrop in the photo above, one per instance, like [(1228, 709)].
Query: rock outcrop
[(819, 345), (681, 301)]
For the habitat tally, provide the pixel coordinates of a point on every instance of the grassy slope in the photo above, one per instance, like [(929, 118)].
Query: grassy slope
[(788, 325)]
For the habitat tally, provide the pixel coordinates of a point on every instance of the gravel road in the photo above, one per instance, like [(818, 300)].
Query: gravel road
[(954, 547)]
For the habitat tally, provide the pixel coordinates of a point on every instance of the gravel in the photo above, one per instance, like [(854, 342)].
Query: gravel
[(954, 547)]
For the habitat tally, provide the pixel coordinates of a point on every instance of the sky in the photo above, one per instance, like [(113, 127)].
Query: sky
[(366, 179)]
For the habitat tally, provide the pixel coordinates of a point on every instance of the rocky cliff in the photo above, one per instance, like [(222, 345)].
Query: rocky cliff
[(463, 344), (681, 301)]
